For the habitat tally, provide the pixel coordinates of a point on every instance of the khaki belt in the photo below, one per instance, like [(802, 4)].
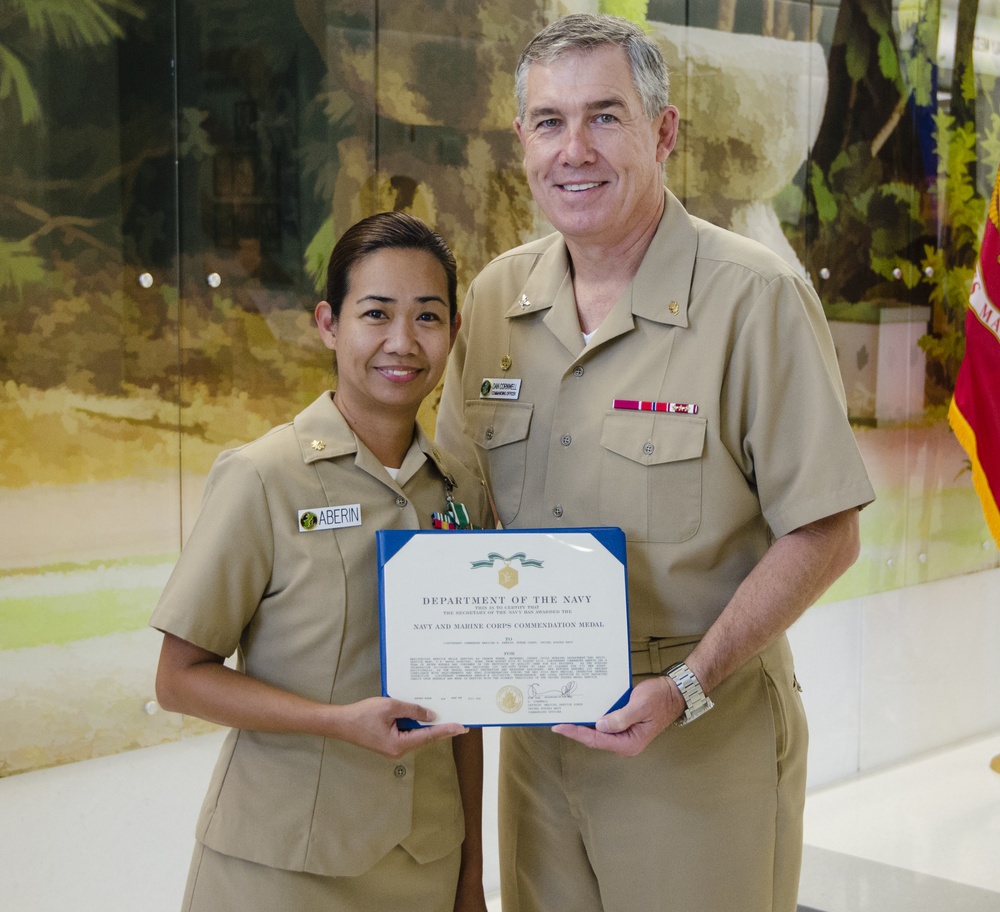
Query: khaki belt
[(656, 655)]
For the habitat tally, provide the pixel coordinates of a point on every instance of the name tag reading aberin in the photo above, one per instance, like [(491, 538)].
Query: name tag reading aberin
[(317, 519)]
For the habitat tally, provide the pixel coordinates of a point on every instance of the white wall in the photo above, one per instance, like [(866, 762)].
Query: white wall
[(890, 676)]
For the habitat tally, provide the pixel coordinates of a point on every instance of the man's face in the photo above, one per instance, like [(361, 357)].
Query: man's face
[(592, 156)]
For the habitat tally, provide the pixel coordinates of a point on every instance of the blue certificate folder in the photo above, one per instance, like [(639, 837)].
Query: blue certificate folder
[(505, 627)]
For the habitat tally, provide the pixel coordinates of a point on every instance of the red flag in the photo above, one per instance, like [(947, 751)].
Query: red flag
[(975, 408)]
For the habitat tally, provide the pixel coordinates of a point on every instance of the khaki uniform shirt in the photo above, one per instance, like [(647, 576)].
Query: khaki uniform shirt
[(711, 320), (301, 612)]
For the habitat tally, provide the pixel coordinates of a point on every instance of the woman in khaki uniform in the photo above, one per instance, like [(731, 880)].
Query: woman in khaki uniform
[(319, 800)]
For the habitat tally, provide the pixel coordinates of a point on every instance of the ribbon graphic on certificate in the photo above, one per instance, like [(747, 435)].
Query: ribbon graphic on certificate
[(505, 627)]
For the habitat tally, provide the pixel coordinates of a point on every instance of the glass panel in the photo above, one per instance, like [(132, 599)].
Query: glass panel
[(865, 227), (257, 155), (876, 239), (444, 97), (960, 127), (163, 244), (88, 516)]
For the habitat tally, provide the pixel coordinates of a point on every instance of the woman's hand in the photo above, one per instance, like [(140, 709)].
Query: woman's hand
[(195, 681), (371, 724)]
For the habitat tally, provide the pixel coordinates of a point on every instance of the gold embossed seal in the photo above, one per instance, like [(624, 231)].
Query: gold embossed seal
[(509, 698)]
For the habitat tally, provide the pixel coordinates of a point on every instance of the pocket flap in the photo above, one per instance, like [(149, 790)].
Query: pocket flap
[(650, 438), (491, 424)]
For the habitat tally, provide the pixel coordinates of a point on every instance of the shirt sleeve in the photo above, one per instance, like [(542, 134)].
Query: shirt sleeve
[(789, 427), (225, 567)]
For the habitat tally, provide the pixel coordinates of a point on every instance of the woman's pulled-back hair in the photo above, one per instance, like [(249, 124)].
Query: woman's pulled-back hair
[(386, 231)]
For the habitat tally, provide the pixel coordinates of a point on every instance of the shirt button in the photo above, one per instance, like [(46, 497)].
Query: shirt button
[(400, 771), (489, 433), (578, 372), (648, 449), (400, 501), (566, 440), (557, 510)]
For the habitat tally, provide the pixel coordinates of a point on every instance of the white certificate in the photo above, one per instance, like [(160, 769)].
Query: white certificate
[(505, 627)]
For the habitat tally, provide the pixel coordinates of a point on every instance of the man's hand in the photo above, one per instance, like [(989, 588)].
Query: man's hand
[(653, 705)]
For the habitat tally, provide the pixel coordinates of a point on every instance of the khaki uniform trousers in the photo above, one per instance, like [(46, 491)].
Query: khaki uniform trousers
[(397, 883), (707, 819)]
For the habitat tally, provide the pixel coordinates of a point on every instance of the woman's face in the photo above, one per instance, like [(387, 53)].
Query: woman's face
[(392, 337)]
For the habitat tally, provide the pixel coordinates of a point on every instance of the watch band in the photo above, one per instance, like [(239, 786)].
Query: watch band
[(697, 701)]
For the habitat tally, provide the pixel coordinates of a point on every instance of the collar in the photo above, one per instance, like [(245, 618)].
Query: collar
[(651, 295), (322, 432), (422, 450), (667, 270)]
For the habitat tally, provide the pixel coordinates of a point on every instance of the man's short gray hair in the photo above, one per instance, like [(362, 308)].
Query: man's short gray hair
[(584, 32)]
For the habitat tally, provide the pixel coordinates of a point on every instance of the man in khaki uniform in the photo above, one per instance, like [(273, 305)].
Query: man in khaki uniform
[(678, 381)]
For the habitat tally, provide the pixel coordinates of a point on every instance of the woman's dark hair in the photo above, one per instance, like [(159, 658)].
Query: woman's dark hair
[(386, 231)]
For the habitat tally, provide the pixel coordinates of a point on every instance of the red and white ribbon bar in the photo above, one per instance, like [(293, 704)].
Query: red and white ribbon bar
[(680, 408)]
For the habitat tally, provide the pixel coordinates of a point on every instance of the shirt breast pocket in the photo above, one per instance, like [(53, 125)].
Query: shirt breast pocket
[(500, 432), (651, 474)]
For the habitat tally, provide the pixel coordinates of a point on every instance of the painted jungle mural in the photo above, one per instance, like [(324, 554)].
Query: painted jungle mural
[(173, 176)]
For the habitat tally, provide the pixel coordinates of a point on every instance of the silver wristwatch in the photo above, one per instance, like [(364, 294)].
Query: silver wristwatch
[(697, 702)]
